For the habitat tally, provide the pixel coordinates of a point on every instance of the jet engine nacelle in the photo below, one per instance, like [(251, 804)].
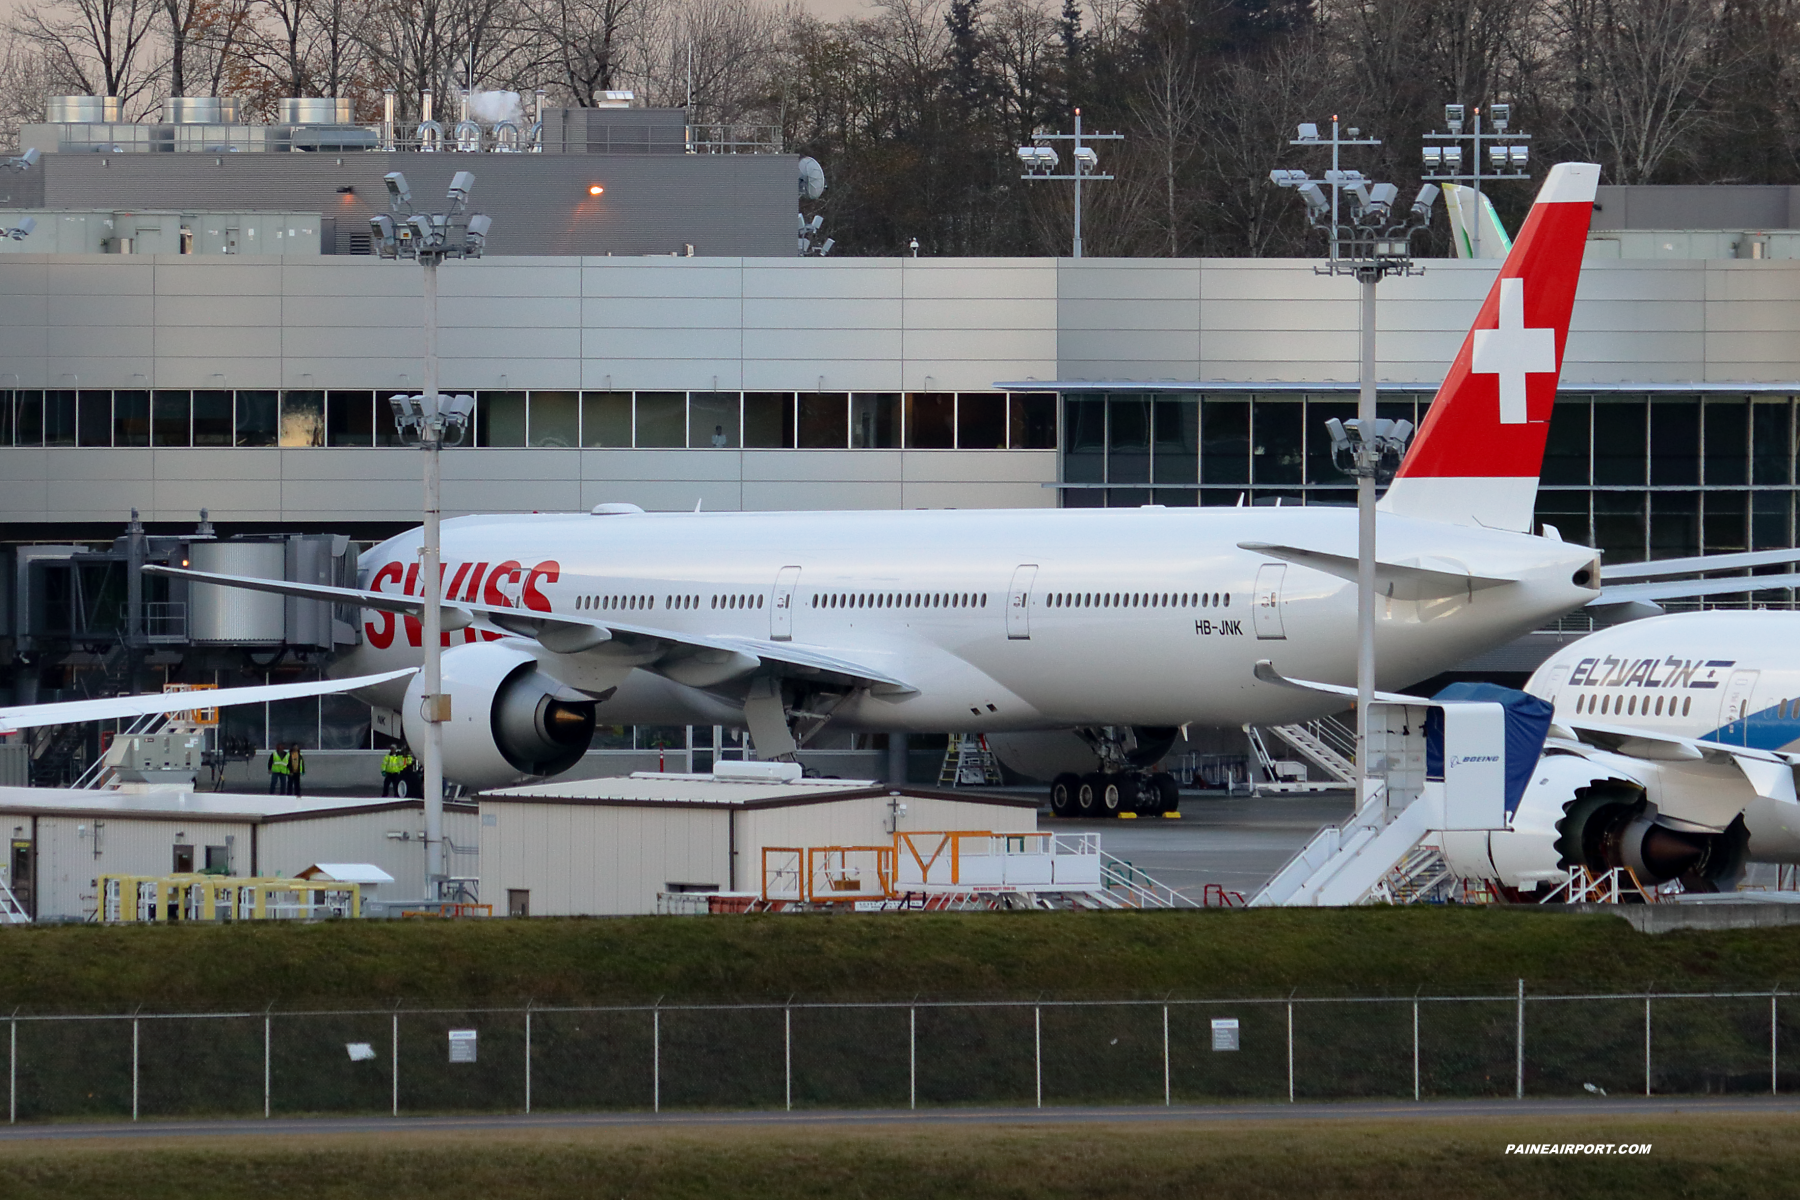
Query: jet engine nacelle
[(1598, 814), (508, 720)]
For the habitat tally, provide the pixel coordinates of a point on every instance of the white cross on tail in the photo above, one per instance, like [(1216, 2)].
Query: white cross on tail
[(1513, 352)]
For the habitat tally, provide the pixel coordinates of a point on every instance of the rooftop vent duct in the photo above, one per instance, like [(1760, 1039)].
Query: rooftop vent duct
[(193, 110), (81, 110), (317, 110)]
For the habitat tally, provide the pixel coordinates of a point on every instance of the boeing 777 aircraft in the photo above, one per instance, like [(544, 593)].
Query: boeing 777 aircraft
[(1116, 625)]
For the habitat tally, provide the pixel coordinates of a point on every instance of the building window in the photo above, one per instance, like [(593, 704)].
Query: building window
[(824, 421), (661, 420), (170, 413), (350, 418), (302, 419), (1031, 421), (93, 425), (258, 416), (875, 421), (930, 421), (769, 420), (131, 418), (714, 421), (980, 421), (606, 419), (500, 419), (555, 420)]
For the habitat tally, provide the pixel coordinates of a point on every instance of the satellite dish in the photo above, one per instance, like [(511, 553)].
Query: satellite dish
[(812, 179)]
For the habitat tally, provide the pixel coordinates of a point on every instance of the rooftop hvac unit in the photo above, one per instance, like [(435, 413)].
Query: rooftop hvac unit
[(199, 110), (317, 110), (81, 110)]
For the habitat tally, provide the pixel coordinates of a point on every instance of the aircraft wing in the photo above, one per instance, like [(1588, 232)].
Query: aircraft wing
[(28, 716), (684, 657), (1771, 774), (1407, 581)]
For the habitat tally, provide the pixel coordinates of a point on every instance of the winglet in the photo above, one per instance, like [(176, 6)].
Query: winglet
[(1479, 451)]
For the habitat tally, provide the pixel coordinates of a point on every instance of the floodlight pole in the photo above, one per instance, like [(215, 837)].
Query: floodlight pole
[(1474, 175), (431, 443), (431, 239), (1378, 247), (1365, 542), (1078, 138)]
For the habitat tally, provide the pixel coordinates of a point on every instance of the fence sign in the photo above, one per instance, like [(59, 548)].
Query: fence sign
[(1225, 1033), (462, 1045), (359, 1051)]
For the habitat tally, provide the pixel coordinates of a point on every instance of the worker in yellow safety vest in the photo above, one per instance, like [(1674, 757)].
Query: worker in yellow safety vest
[(296, 769), (278, 771), (393, 769)]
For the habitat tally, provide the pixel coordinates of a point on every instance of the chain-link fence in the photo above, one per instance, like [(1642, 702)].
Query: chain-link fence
[(898, 1055)]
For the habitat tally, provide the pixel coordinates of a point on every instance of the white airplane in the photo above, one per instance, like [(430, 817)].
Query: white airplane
[(1105, 629), (1672, 752)]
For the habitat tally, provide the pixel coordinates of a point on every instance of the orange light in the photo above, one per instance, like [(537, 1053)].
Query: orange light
[(596, 190)]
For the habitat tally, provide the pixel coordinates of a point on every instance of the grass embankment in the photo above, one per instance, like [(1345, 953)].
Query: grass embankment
[(1369, 951), (1694, 1155)]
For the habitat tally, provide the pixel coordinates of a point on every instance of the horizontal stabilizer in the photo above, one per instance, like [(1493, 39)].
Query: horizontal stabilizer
[(1265, 671), (69, 712), (1403, 581), (1676, 589), (1697, 565)]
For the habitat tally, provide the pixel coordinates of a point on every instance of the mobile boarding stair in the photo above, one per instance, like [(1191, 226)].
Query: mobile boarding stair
[(1326, 743), (1442, 766)]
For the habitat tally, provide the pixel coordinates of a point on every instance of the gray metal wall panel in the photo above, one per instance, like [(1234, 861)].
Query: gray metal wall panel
[(654, 204)]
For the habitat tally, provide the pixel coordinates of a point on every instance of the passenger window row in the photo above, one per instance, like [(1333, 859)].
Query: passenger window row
[(1139, 600), (900, 600), (617, 603), (1622, 706)]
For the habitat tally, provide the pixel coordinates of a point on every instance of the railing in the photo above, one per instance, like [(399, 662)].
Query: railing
[(898, 1055), (1136, 889), (734, 138)]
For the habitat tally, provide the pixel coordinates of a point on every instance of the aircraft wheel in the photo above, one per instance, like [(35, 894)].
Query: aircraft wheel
[(1062, 794), (1112, 794), (1087, 796), (1168, 792)]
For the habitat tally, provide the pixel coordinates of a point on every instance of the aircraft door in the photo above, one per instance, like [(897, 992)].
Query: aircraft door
[(1267, 611), (1734, 706), (1018, 603), (781, 613)]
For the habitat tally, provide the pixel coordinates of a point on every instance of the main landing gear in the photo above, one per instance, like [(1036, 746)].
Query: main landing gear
[(1110, 793)]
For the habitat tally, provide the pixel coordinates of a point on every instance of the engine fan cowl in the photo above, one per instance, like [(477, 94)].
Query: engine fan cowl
[(509, 721)]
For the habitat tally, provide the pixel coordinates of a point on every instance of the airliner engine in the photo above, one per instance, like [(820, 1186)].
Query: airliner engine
[(508, 720), (1602, 813)]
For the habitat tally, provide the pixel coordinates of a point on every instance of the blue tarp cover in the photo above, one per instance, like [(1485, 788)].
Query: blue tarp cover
[(1527, 725)]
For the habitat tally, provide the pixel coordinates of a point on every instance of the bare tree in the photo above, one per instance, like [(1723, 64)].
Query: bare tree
[(1639, 75), (1167, 116), (586, 43), (94, 47)]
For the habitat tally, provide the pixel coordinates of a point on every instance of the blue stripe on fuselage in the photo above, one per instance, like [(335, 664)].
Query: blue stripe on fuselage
[(1763, 730)]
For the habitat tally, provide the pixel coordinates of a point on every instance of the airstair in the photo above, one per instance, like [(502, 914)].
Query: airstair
[(969, 763), (1389, 851), (1327, 743)]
